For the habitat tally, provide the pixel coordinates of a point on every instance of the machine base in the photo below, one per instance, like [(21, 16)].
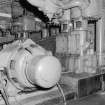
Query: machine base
[(84, 84), (74, 86)]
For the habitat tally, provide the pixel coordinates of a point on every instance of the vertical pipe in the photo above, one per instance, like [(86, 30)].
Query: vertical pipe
[(83, 33), (81, 28), (100, 48)]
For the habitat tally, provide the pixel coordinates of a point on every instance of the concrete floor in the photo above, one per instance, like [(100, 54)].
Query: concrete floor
[(97, 99)]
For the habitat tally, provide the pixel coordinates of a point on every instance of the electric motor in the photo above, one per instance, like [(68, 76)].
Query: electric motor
[(29, 65)]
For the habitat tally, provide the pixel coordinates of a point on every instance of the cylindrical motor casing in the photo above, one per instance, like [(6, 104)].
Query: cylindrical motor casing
[(44, 71)]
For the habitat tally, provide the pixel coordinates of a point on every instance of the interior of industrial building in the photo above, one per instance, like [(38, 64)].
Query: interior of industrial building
[(52, 52)]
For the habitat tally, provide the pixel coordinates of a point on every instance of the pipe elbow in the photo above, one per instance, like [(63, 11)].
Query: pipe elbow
[(83, 4)]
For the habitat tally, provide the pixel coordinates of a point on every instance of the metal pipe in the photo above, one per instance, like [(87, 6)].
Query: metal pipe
[(83, 4), (100, 41)]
